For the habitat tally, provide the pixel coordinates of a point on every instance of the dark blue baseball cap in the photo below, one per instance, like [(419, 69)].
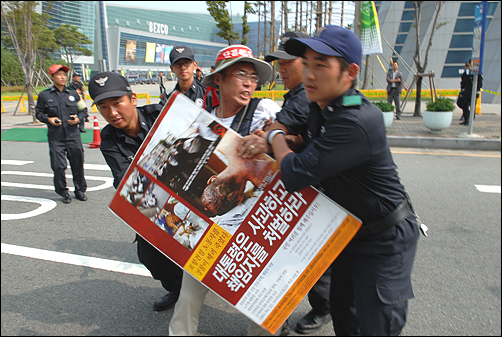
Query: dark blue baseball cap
[(330, 40)]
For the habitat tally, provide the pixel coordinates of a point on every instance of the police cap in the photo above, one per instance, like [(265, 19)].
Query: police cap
[(280, 53), (330, 40), (181, 52), (108, 84)]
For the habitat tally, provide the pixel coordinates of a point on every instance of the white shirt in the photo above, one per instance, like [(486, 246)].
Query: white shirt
[(266, 108)]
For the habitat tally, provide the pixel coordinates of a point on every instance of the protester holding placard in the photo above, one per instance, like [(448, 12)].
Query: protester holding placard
[(236, 75)]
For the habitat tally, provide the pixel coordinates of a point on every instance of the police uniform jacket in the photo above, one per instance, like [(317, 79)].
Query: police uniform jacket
[(295, 110), (119, 149), (54, 103), (347, 156), (195, 93)]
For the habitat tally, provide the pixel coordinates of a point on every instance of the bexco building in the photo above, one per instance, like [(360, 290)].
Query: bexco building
[(140, 40)]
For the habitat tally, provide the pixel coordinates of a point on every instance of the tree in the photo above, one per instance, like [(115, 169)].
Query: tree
[(46, 46), (24, 26), (248, 8), (272, 27), (12, 73), (418, 62), (71, 43), (220, 14), (318, 21), (285, 11)]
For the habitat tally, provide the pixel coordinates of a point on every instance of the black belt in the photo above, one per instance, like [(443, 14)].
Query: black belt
[(389, 221)]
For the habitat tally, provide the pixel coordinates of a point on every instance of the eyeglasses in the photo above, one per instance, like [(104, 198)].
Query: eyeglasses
[(243, 76), (185, 64)]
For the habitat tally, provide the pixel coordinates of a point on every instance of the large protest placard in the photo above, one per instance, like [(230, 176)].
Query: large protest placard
[(226, 220)]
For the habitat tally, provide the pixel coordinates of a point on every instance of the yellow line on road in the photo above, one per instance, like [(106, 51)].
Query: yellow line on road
[(448, 154)]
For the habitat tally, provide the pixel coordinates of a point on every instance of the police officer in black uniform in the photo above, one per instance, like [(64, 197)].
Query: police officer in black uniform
[(62, 109), (77, 85), (120, 140), (347, 156), (292, 117), (183, 65)]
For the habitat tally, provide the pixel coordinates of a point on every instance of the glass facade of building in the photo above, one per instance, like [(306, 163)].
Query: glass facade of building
[(134, 52), (460, 49), (76, 13)]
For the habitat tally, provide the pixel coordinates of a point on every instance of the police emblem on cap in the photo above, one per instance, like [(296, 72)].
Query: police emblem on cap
[(71, 98), (180, 50), (101, 81)]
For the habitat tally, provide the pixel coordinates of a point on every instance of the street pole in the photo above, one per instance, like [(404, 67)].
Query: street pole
[(473, 101), (357, 31)]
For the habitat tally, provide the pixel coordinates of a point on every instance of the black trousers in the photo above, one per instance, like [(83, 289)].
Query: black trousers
[(59, 151), (371, 284), (319, 294), (161, 267)]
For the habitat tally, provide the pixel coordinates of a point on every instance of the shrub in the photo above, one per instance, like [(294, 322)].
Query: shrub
[(385, 106), (441, 104)]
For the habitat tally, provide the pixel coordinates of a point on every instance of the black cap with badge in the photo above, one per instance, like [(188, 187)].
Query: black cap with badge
[(280, 53), (108, 84), (181, 52)]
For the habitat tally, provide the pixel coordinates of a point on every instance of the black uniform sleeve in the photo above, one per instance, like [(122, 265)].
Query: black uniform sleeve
[(40, 113), (343, 145), (114, 158), (294, 115)]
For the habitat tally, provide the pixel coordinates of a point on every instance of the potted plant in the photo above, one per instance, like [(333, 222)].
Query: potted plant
[(387, 111), (439, 114)]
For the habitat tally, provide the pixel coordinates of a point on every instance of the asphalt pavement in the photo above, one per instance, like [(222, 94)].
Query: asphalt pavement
[(409, 131), (456, 276)]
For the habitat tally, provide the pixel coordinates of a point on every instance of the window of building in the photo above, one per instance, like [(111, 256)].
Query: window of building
[(408, 15), (127, 23), (408, 4), (458, 56), (452, 71), (464, 25), (117, 21), (461, 41), (467, 9), (401, 38), (492, 6), (404, 27), (398, 49), (137, 21)]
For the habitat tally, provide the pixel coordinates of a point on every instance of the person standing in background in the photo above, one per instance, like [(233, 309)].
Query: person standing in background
[(62, 110), (394, 84)]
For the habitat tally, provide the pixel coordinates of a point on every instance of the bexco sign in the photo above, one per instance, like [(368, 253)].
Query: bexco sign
[(158, 28)]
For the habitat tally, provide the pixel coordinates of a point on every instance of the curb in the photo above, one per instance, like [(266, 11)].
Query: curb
[(479, 144)]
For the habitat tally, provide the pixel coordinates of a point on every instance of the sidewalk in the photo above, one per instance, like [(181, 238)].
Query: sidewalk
[(407, 132)]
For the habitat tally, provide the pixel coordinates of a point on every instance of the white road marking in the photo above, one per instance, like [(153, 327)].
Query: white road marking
[(108, 181), (99, 167), (45, 206), (77, 260), (96, 167), (488, 188), (16, 162)]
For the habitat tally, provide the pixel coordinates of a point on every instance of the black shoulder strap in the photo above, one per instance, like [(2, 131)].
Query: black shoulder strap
[(152, 108), (245, 125)]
